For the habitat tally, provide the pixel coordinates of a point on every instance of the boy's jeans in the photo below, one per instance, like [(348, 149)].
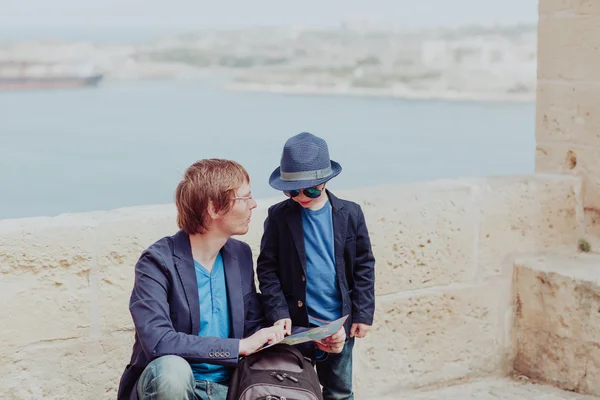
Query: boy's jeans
[(171, 378), (335, 374)]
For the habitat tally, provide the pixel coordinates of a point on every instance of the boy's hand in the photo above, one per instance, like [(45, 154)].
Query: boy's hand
[(333, 343), (286, 323), (359, 330), (264, 336)]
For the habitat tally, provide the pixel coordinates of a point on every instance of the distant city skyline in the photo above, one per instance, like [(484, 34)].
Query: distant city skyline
[(186, 14)]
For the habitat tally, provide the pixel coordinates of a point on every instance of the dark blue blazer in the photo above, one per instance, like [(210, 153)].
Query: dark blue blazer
[(281, 267), (165, 307)]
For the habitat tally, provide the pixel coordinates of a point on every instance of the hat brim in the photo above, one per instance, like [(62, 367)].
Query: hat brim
[(277, 183)]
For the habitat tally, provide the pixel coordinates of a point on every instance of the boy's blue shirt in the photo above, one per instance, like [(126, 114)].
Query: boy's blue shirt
[(323, 298)]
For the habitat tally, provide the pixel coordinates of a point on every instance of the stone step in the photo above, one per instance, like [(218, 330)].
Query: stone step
[(557, 320), (493, 389)]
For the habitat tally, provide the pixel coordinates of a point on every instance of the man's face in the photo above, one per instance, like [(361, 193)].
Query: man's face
[(237, 220)]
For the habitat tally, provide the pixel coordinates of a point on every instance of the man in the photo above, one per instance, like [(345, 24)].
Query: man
[(194, 302), (316, 263)]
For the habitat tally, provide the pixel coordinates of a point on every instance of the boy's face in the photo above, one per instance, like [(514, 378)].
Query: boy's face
[(312, 203)]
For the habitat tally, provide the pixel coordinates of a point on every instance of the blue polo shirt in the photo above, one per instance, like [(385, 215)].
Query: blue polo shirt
[(215, 319)]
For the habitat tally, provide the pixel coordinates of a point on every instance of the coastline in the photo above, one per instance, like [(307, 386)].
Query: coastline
[(383, 93)]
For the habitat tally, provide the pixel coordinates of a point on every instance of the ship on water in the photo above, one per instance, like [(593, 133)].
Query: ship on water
[(26, 75)]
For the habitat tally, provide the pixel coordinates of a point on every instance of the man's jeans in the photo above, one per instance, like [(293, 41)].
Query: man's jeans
[(335, 374), (171, 378)]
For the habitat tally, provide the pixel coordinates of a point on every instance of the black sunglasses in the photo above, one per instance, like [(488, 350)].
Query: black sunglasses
[(311, 193)]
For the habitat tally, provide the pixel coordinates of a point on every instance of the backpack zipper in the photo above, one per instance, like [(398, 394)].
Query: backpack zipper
[(270, 397), (280, 377), (291, 378), (277, 376)]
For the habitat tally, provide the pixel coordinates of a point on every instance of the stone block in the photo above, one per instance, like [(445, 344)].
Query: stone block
[(568, 8), (569, 48), (557, 320), (121, 236), (432, 337), (567, 158), (580, 161), (491, 388), (45, 267), (548, 358), (559, 294), (422, 234), (525, 214), (546, 302), (83, 368), (568, 112)]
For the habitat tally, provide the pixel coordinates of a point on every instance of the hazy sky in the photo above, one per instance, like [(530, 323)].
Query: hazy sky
[(235, 13)]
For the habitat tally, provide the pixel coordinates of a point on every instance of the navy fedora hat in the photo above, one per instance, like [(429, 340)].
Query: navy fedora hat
[(304, 163)]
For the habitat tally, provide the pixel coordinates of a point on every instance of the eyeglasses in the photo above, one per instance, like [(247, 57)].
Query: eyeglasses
[(245, 198), (311, 193)]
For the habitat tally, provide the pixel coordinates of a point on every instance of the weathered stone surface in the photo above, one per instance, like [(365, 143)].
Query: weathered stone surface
[(423, 235), (36, 310), (568, 123), (546, 301), (568, 112), (568, 8), (433, 336), (45, 267), (557, 320), (591, 382), (121, 236), (525, 215), (569, 48), (43, 246), (543, 356), (490, 389), (559, 294), (83, 369), (581, 161)]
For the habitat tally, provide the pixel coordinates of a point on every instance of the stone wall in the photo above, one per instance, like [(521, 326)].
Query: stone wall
[(557, 320), (568, 98), (444, 253)]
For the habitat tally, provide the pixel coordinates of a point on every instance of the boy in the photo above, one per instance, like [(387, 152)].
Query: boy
[(316, 263)]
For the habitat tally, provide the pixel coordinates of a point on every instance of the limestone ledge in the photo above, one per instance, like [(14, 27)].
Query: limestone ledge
[(557, 320), (423, 235), (433, 336), (444, 253)]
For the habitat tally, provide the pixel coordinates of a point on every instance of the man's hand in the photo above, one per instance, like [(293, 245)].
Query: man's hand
[(286, 323), (333, 343), (359, 330), (264, 336)]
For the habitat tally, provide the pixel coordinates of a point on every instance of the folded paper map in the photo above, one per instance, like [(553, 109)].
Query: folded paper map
[(313, 334)]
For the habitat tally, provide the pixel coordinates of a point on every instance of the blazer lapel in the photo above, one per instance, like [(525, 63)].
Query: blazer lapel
[(187, 273), (340, 225), (294, 219), (233, 281)]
